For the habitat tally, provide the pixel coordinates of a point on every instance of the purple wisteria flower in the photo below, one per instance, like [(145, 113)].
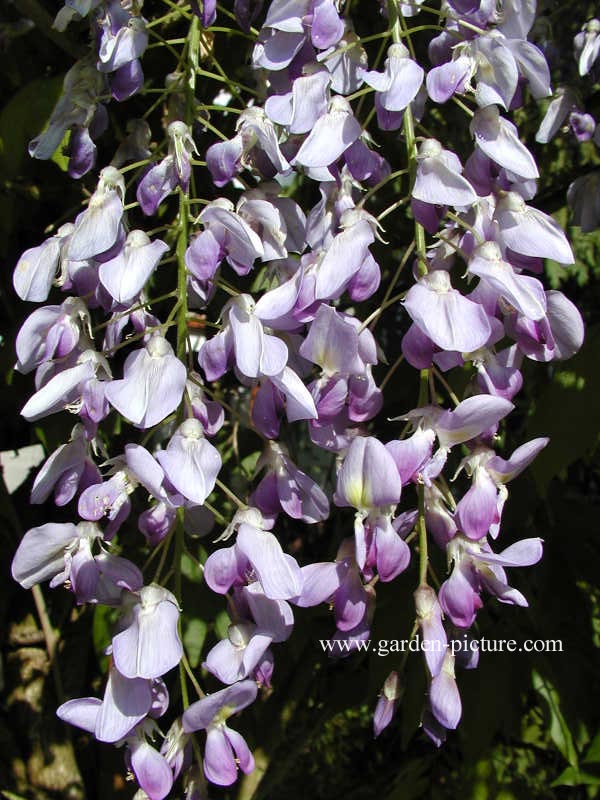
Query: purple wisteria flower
[(148, 645), (174, 170), (190, 462), (226, 750), (152, 385), (98, 227)]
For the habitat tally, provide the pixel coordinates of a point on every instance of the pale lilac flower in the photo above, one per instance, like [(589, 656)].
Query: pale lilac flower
[(97, 228), (207, 14), (102, 578), (389, 698), (300, 108), (37, 267), (152, 386), (227, 567), (62, 553), (125, 275), (190, 461), (51, 332), (429, 617), (236, 241), (380, 544), (148, 644), (293, 491), (479, 511), (556, 114), (439, 518), (243, 339), (477, 568), (208, 412), (82, 87), (498, 138), (587, 46), (127, 80), (126, 702), (473, 417), (110, 498), (559, 335), (443, 695), (241, 653), (498, 372), (225, 750), (288, 26), (67, 470), (347, 254), (332, 343), (123, 38), (151, 769), (439, 180), (366, 165), (66, 386), (333, 133), (278, 395), (174, 170), (278, 573), (451, 320), (256, 145), (278, 221), (469, 419), (346, 62), (530, 232), (368, 477), (522, 292), (398, 85), (156, 522), (582, 125), (445, 80), (44, 552)]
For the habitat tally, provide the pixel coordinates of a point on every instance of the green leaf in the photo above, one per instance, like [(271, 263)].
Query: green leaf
[(104, 619), (59, 157), (22, 118), (593, 752), (559, 730), (248, 464), (571, 776), (190, 570), (193, 640), (222, 623)]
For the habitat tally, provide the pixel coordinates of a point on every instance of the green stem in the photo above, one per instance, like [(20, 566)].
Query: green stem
[(446, 386), (403, 201), (182, 240), (394, 281), (231, 495), (374, 189), (411, 152), (379, 311), (400, 31), (421, 527), (463, 106), (423, 553)]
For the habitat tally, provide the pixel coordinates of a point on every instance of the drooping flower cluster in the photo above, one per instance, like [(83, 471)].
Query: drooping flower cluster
[(288, 346)]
